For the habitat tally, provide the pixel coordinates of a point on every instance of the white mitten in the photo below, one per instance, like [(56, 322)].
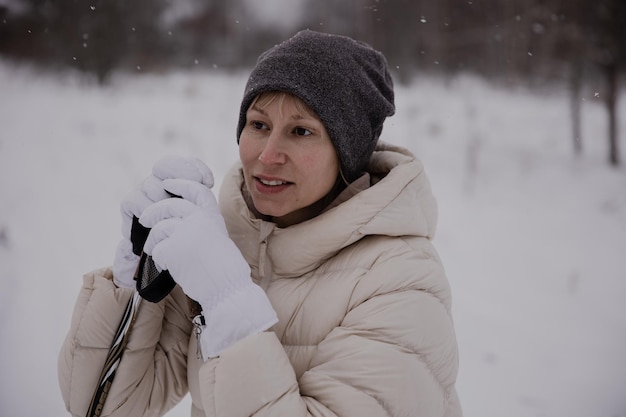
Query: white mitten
[(185, 168), (126, 260), (124, 265), (150, 191), (190, 240)]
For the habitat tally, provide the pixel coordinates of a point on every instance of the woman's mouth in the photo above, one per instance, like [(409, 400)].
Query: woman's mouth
[(271, 185)]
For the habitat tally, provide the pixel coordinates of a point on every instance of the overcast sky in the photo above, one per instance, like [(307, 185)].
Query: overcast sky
[(275, 12)]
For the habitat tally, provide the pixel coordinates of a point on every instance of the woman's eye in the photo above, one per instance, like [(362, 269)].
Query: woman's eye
[(301, 131), (258, 125)]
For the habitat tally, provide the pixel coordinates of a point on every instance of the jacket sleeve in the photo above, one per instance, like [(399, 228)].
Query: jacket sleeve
[(151, 377), (393, 353)]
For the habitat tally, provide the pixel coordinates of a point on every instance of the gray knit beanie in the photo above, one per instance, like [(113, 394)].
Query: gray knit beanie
[(345, 82)]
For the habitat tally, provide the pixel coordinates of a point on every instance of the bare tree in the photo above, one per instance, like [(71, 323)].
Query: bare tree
[(95, 37), (607, 32)]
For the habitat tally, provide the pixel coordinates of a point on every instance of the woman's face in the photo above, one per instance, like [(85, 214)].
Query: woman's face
[(289, 161)]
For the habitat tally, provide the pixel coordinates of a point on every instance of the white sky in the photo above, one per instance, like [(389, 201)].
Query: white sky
[(275, 13), (14, 5), (280, 13)]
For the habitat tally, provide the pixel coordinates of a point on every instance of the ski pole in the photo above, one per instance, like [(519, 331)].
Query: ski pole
[(151, 285), (114, 356)]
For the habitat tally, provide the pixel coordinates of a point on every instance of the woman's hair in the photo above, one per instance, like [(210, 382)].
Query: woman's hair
[(265, 99)]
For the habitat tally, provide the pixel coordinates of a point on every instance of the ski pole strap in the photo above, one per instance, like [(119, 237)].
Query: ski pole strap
[(139, 233), (152, 285), (138, 236)]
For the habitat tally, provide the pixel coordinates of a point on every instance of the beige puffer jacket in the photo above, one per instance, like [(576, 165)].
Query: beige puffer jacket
[(364, 317)]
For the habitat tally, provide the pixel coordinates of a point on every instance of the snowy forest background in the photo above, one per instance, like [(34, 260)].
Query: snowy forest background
[(515, 107)]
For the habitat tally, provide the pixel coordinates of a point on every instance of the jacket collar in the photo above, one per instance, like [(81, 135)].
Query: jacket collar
[(399, 202)]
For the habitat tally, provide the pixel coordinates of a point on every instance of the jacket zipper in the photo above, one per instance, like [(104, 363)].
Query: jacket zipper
[(198, 325)]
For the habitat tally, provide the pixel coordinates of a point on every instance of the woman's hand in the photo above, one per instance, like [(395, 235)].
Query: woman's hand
[(133, 205), (188, 237)]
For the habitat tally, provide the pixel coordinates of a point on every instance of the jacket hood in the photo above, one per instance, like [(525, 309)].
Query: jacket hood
[(398, 203)]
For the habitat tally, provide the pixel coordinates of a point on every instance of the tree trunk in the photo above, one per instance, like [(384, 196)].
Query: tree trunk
[(611, 103), (575, 89)]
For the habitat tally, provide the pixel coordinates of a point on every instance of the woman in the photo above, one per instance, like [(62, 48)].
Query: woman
[(316, 280)]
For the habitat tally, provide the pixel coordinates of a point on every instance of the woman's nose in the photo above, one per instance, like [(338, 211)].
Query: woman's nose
[(273, 151)]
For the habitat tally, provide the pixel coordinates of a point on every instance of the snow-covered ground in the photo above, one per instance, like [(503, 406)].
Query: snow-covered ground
[(533, 239)]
